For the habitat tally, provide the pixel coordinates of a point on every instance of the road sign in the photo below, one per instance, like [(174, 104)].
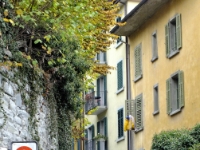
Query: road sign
[(24, 145)]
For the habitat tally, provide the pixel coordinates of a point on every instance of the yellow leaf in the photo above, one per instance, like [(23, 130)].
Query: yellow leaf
[(12, 22), (19, 12), (44, 48), (5, 12), (28, 57), (5, 19)]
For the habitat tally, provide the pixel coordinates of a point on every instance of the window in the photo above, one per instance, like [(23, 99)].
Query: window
[(138, 113), (120, 123), (175, 93), (119, 39), (155, 98), (154, 47), (138, 62), (101, 57), (102, 129), (102, 90), (89, 135), (119, 76), (173, 39)]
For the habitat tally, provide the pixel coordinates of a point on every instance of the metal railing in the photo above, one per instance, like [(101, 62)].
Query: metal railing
[(94, 99), (90, 145)]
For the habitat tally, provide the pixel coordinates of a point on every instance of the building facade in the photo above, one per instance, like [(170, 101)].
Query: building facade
[(104, 106), (164, 66)]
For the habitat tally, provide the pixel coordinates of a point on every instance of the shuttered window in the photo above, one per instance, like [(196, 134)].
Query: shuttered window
[(138, 113), (120, 123), (155, 99), (173, 36), (175, 93), (119, 75), (154, 47), (138, 62), (102, 129)]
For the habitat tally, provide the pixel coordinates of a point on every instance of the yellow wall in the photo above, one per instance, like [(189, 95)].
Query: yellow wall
[(159, 71)]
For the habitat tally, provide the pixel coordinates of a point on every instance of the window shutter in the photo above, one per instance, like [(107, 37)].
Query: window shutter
[(167, 40), (105, 90), (129, 107), (98, 56), (139, 113), (79, 144), (98, 87), (104, 56), (140, 59), (119, 75), (168, 96), (181, 89), (92, 129), (98, 131), (120, 123), (136, 62), (178, 31), (105, 127)]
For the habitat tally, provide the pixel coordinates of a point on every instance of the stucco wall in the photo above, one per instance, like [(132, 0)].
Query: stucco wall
[(14, 117), (160, 70)]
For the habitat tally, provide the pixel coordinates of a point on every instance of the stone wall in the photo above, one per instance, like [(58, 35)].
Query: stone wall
[(15, 119)]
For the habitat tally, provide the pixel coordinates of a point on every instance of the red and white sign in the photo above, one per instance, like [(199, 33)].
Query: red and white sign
[(25, 145)]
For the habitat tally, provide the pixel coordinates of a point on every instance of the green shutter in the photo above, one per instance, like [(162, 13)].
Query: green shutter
[(92, 128), (86, 134), (105, 90), (98, 56), (178, 31), (79, 144), (167, 40), (120, 123), (105, 127), (181, 89), (139, 113), (119, 75), (104, 56), (98, 87), (138, 61), (98, 131), (129, 107), (168, 96)]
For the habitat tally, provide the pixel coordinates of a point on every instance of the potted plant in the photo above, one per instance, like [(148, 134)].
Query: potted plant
[(100, 137)]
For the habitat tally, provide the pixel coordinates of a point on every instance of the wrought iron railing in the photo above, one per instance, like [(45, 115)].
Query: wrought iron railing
[(95, 99)]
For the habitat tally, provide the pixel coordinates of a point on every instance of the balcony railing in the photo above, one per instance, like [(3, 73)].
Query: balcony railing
[(95, 102), (90, 145)]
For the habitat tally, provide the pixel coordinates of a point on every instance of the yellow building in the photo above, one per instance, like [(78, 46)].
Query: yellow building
[(164, 66)]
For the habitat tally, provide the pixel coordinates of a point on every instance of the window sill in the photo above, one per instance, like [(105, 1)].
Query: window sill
[(154, 59), (120, 90), (138, 130), (118, 45), (138, 78), (172, 54), (175, 112), (156, 112), (120, 139)]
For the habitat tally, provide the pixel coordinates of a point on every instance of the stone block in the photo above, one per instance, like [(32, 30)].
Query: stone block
[(18, 99), (8, 88)]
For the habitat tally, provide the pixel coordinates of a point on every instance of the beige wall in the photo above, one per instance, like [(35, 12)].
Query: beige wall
[(159, 71)]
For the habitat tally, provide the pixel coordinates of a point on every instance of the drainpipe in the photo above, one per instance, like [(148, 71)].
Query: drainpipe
[(128, 80)]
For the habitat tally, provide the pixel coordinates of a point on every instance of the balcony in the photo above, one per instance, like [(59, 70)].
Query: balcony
[(95, 102)]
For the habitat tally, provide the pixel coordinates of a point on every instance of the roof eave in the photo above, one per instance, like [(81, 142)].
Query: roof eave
[(138, 16)]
